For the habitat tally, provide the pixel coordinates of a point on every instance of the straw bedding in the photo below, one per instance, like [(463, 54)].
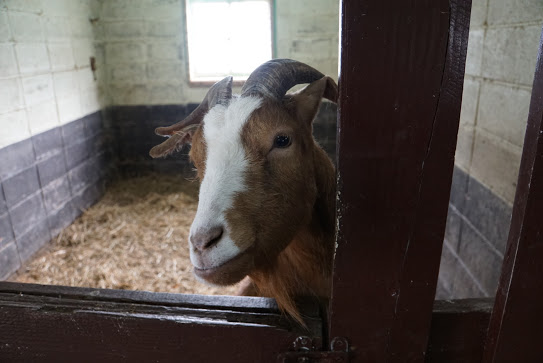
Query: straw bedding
[(134, 238)]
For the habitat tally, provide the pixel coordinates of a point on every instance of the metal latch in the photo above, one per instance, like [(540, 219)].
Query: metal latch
[(305, 350)]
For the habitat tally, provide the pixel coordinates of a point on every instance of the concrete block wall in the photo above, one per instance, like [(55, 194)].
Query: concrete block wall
[(52, 156), (45, 75), (142, 44), (502, 51), (308, 31)]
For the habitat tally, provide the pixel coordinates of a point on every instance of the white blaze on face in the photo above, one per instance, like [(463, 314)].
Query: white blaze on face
[(226, 163)]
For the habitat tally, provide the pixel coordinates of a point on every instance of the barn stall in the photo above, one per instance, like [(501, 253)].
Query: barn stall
[(58, 168)]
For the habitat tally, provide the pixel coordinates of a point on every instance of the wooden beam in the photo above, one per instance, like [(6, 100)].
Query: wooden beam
[(458, 330), (69, 324), (401, 79), (516, 327)]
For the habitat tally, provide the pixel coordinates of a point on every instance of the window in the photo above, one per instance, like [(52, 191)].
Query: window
[(227, 37)]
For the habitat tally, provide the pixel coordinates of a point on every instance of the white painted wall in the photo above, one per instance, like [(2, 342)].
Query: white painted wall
[(45, 46), (502, 52), (144, 49), (45, 76)]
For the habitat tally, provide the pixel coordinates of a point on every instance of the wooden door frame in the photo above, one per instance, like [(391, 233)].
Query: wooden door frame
[(382, 301)]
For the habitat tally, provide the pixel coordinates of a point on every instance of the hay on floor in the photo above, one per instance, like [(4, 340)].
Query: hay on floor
[(134, 238)]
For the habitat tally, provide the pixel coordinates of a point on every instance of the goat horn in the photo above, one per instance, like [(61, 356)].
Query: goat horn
[(275, 77), (220, 93)]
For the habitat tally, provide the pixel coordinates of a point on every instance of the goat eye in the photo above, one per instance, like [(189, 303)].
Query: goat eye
[(281, 141)]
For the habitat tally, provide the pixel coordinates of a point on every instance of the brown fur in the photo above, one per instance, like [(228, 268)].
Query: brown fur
[(285, 220)]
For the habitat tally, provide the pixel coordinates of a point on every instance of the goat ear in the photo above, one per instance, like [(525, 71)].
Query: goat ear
[(307, 100), (175, 142)]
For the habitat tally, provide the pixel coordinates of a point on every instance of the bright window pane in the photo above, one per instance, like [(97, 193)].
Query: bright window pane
[(227, 38)]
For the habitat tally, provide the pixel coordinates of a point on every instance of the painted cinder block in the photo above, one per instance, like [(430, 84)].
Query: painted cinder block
[(88, 196), (90, 100), (487, 213), (84, 174), (47, 143), (166, 72), (62, 56), (464, 146), (165, 94), (69, 108), (56, 194), (85, 78), (453, 228), (27, 213), (123, 9), (11, 95), (6, 233), (93, 124), (8, 65), (59, 7), (26, 27), (503, 111), (474, 57), (510, 53), (57, 28), (5, 32), (83, 51), (128, 73), (481, 258), (502, 12), (51, 169), (495, 164), (81, 26), (32, 57), (129, 95), (38, 89), (61, 217), (16, 158), (42, 117), (76, 153), (160, 9), (65, 83), (73, 133), (29, 6), (478, 14), (14, 128), (20, 186), (166, 29), (124, 29), (3, 206), (125, 52), (461, 282), (470, 99), (30, 242), (165, 51), (9, 260)]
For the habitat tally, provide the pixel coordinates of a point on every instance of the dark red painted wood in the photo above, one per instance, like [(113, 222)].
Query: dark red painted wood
[(458, 330), (56, 323), (516, 327), (63, 324), (401, 79)]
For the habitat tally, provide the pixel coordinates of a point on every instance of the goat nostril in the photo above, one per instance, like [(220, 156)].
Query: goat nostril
[(215, 236), (206, 239)]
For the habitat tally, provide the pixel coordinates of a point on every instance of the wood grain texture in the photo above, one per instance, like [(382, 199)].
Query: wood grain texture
[(458, 330), (49, 323), (402, 66), (516, 327)]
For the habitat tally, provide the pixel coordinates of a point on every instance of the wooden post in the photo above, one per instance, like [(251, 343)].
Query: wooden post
[(402, 70), (516, 327)]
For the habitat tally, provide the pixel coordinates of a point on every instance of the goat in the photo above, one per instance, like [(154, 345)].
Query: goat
[(267, 194)]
